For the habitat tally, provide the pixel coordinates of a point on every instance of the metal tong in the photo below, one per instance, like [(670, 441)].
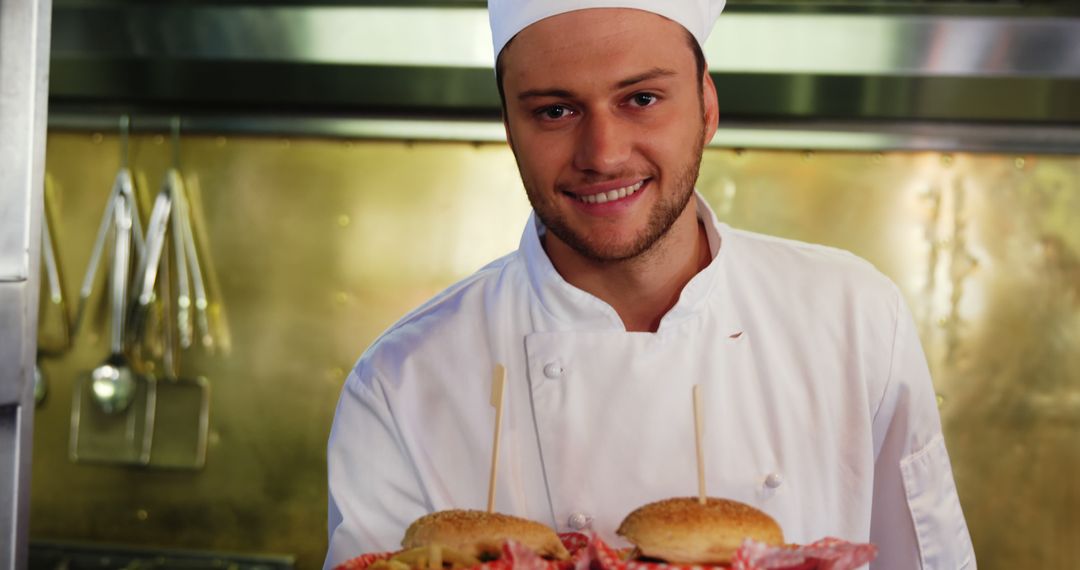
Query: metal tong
[(171, 218), (122, 195)]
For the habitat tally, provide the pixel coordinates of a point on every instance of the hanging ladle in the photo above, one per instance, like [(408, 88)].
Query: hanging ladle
[(113, 382)]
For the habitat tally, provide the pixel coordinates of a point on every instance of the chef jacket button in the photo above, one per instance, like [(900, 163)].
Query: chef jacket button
[(774, 480), (579, 521), (553, 370)]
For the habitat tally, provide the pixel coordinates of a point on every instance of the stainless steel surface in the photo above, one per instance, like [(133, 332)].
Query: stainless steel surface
[(773, 42), (819, 135), (784, 62), (73, 555), (24, 58), (983, 246), (16, 300), (336, 209)]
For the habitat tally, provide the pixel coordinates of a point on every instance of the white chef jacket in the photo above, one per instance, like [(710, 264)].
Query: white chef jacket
[(817, 401)]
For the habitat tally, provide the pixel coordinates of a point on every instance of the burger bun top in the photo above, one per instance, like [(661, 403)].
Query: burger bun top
[(684, 531), (482, 534)]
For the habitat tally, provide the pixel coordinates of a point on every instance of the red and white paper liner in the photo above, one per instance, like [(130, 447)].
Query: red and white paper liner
[(363, 561), (521, 557), (516, 556), (825, 554)]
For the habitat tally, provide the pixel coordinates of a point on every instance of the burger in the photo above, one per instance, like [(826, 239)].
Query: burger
[(685, 531), (481, 534), (465, 538)]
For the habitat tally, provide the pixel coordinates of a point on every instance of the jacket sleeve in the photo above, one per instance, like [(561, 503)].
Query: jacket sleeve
[(373, 488), (916, 520)]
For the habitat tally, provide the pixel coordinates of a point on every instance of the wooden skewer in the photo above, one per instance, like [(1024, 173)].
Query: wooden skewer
[(698, 433), (498, 385), (435, 558)]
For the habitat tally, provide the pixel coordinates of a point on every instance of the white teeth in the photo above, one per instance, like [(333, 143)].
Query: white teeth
[(611, 195)]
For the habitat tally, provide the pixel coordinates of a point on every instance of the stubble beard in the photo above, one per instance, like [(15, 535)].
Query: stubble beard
[(662, 217)]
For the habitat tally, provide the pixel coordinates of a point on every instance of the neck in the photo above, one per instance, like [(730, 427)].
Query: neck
[(643, 289)]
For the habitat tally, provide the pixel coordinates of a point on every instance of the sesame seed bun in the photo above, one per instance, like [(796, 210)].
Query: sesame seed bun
[(683, 531), (482, 534)]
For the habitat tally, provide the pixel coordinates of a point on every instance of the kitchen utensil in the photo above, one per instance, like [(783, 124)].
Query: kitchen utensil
[(113, 407), (192, 255), (41, 387), (183, 416), (181, 423), (146, 275), (123, 184), (183, 287), (54, 323), (181, 420), (53, 301), (114, 381), (97, 436)]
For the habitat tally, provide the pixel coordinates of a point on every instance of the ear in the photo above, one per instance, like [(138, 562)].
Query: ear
[(712, 106)]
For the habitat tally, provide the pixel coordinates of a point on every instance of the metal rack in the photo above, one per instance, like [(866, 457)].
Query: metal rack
[(53, 555)]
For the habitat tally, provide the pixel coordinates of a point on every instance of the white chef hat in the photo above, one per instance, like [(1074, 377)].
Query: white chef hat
[(508, 17)]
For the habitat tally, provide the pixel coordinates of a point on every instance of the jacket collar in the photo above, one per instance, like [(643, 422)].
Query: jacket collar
[(575, 309)]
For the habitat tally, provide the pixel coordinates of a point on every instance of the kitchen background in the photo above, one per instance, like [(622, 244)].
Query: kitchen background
[(339, 163)]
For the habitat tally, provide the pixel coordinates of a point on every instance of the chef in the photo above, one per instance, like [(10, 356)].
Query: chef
[(624, 293)]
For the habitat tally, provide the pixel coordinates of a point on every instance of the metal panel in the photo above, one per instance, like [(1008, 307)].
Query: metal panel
[(819, 135), (896, 45), (15, 342), (14, 440), (24, 53), (999, 66), (316, 245), (838, 44)]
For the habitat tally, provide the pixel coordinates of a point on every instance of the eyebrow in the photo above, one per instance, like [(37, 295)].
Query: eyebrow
[(622, 84), (531, 93), (651, 74)]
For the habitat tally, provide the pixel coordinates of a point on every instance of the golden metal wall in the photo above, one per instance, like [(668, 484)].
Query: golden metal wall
[(315, 246)]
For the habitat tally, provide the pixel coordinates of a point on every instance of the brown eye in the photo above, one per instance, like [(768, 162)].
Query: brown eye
[(554, 112), (643, 99)]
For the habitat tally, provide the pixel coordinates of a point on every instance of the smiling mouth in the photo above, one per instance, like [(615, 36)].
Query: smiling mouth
[(610, 195)]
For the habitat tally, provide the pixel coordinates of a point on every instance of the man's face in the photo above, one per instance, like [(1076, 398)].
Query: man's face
[(606, 117)]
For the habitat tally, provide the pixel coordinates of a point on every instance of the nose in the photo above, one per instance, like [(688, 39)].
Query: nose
[(603, 144)]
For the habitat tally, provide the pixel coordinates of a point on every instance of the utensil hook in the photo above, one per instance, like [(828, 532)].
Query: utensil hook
[(125, 132), (175, 126)]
